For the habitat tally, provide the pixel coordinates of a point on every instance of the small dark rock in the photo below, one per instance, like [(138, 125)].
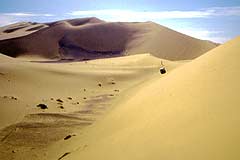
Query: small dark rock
[(163, 70), (61, 107), (67, 137), (99, 84), (116, 90), (14, 98), (84, 98), (70, 98), (59, 100), (64, 155), (42, 106)]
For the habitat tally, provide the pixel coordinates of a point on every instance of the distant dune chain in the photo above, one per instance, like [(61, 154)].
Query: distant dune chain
[(92, 38)]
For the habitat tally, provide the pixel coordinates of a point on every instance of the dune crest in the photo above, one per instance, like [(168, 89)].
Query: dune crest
[(92, 38)]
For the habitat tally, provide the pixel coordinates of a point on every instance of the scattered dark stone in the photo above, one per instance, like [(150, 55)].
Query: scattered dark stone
[(67, 137), (61, 107), (84, 98), (65, 154), (42, 106), (77, 102), (116, 90), (99, 84), (111, 95), (14, 98), (59, 100), (113, 83), (70, 98), (11, 97), (13, 151), (52, 99), (84, 90), (163, 70)]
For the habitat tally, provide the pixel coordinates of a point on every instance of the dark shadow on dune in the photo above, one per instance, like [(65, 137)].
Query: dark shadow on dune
[(11, 48), (35, 28), (68, 49), (13, 29)]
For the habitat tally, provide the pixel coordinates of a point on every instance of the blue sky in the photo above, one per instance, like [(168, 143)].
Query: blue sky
[(215, 20)]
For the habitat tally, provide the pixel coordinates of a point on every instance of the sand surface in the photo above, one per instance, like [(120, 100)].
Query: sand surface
[(88, 90), (191, 113)]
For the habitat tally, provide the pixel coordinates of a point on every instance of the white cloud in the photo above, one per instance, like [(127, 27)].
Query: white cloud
[(27, 15), (10, 18), (203, 34), (225, 11), (6, 20), (129, 15)]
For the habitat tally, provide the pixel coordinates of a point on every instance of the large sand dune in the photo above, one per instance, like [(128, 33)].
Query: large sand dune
[(121, 107), (88, 90), (192, 113), (91, 38)]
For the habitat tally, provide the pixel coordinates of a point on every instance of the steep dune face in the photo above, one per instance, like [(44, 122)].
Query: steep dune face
[(92, 38), (192, 113)]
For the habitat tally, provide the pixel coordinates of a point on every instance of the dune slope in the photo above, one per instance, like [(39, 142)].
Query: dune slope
[(91, 38), (192, 113), (76, 94)]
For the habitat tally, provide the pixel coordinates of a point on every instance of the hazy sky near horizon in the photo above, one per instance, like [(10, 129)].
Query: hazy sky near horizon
[(216, 20)]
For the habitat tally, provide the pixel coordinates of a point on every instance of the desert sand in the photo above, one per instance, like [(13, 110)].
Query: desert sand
[(90, 89), (192, 113)]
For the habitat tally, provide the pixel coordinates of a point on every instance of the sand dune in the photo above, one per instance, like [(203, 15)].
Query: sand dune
[(20, 29), (91, 38), (76, 95), (192, 113), (54, 107)]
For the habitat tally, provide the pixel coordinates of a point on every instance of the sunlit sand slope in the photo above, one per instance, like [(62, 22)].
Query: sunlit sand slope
[(76, 95), (192, 113)]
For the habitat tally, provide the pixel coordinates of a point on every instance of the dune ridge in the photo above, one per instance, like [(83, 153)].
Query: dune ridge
[(92, 38), (191, 113)]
